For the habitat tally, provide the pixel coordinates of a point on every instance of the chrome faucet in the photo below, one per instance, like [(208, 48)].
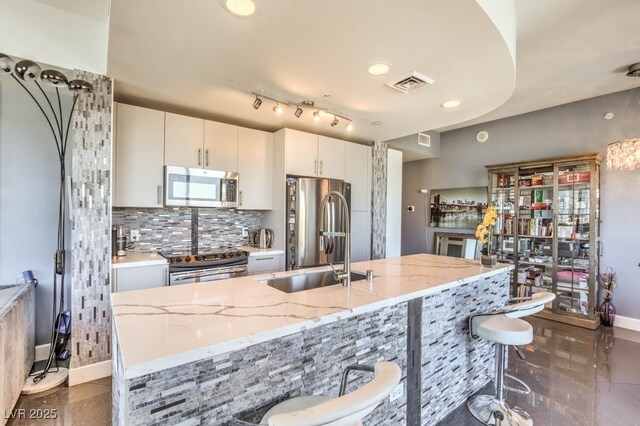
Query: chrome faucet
[(345, 275)]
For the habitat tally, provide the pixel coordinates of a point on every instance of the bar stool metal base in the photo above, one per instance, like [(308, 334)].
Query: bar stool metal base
[(489, 410)]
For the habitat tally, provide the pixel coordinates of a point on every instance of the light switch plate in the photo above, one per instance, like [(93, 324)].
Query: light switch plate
[(135, 235), (397, 392)]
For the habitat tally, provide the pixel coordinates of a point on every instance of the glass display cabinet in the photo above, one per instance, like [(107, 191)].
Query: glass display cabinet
[(548, 226)]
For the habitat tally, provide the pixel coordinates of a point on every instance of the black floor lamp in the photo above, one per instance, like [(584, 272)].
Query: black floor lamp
[(28, 73)]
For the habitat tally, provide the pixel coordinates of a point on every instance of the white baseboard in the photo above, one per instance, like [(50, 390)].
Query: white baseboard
[(42, 352), (89, 372), (627, 322)]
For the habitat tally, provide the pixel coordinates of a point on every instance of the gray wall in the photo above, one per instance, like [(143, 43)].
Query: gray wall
[(28, 198), (575, 128)]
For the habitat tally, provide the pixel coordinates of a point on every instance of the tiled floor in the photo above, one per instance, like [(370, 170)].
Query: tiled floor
[(577, 377)]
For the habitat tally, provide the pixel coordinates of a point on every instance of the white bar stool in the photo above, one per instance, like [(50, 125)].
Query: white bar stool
[(344, 410), (504, 327)]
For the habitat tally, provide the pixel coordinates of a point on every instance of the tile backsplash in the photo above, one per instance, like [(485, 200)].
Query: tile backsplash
[(170, 229)]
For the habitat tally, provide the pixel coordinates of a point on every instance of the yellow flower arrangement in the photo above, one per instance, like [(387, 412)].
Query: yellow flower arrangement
[(484, 228)]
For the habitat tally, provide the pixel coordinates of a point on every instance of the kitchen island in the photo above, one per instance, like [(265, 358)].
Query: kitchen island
[(210, 352)]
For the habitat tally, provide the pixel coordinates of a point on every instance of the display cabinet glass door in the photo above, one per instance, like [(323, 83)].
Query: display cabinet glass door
[(502, 187), (576, 270), (535, 230)]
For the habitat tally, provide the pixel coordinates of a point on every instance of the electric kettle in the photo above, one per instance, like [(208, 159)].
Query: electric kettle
[(263, 238)]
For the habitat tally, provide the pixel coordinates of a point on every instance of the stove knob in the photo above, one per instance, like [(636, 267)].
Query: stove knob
[(187, 259), (178, 260)]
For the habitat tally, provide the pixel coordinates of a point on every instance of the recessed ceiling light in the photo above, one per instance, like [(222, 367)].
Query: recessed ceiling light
[(379, 69), (241, 7), (451, 104)]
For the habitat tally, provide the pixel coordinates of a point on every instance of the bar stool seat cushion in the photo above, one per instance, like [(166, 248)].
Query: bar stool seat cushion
[(500, 329), (294, 404)]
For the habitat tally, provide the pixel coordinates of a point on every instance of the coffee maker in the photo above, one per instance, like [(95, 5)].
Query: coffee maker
[(118, 242)]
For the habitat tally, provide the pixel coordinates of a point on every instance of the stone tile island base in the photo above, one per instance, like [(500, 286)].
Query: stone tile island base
[(444, 368)]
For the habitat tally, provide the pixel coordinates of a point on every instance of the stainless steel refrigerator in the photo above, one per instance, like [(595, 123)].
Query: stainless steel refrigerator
[(304, 246)]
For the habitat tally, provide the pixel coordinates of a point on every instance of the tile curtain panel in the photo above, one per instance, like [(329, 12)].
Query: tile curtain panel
[(379, 201), (91, 222)]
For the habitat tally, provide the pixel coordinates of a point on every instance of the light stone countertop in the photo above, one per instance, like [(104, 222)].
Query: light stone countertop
[(165, 327), (255, 251), (137, 259)]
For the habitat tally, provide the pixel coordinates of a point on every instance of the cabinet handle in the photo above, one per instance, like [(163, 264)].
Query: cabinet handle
[(206, 161), (199, 157), (315, 167), (159, 190), (320, 166), (240, 197), (166, 277), (265, 258)]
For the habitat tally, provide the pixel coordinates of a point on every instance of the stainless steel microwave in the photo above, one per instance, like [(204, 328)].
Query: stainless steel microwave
[(184, 186)]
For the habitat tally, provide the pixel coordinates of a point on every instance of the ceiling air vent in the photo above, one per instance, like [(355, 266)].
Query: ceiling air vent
[(410, 83), (424, 140)]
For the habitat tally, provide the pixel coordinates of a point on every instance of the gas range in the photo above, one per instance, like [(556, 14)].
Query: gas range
[(190, 268)]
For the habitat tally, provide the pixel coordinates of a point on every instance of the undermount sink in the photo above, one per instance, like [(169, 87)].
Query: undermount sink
[(302, 282)]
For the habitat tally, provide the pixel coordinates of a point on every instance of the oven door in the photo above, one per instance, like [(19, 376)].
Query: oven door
[(185, 186), (203, 275)]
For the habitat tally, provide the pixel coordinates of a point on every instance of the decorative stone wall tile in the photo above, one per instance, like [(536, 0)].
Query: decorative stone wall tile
[(91, 222), (379, 201), (170, 230)]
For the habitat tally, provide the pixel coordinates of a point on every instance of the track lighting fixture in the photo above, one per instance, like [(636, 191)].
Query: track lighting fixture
[(54, 78), (319, 114)]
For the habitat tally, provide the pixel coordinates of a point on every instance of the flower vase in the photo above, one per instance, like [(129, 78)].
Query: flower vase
[(607, 313), (489, 261)]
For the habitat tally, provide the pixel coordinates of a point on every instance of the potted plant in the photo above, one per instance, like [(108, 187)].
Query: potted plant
[(484, 233)]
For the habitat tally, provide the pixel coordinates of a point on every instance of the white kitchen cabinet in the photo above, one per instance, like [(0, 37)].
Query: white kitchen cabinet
[(183, 141), (220, 146), (360, 236), (331, 157), (262, 263), (312, 155), (301, 151), (139, 157), (139, 277), (357, 171), (254, 169)]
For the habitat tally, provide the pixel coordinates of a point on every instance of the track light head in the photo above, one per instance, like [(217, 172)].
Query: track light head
[(28, 70), (80, 86), (298, 112), (349, 126), (54, 78), (257, 103), (277, 109), (316, 115), (335, 121), (6, 64)]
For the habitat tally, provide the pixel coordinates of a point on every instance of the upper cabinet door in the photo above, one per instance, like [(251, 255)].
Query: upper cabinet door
[(357, 171), (255, 169), (184, 141), (330, 157), (301, 153), (139, 157), (220, 146)]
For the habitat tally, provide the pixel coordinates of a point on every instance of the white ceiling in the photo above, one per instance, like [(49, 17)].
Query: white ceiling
[(569, 50), (199, 59)]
